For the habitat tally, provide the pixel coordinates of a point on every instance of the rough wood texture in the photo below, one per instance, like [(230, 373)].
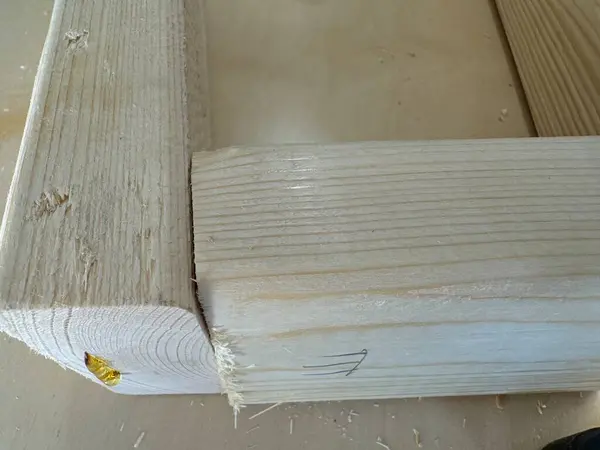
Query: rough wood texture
[(556, 45), (95, 242), (393, 269)]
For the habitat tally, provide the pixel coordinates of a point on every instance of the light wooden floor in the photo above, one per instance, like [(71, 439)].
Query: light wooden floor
[(289, 71)]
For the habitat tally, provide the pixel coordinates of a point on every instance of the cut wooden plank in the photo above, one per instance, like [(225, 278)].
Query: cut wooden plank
[(95, 242), (556, 45), (401, 269)]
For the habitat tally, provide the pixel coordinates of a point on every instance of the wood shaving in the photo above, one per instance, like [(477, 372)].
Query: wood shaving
[(122, 426), (499, 404), (291, 425), (503, 115), (255, 427), (273, 406), (350, 414), (139, 439), (417, 438), (381, 444), (540, 406)]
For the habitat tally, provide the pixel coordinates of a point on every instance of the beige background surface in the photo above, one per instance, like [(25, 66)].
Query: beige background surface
[(288, 71)]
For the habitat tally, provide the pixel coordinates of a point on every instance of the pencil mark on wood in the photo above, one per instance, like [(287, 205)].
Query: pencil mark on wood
[(356, 363)]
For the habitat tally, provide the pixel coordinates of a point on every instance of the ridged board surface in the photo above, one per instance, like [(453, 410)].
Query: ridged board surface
[(556, 45)]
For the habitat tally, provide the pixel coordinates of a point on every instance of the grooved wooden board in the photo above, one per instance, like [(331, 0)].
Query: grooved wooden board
[(556, 45), (397, 269), (95, 244)]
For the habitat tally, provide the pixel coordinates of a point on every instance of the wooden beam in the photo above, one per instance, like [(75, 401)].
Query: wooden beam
[(398, 269), (95, 256), (556, 45)]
